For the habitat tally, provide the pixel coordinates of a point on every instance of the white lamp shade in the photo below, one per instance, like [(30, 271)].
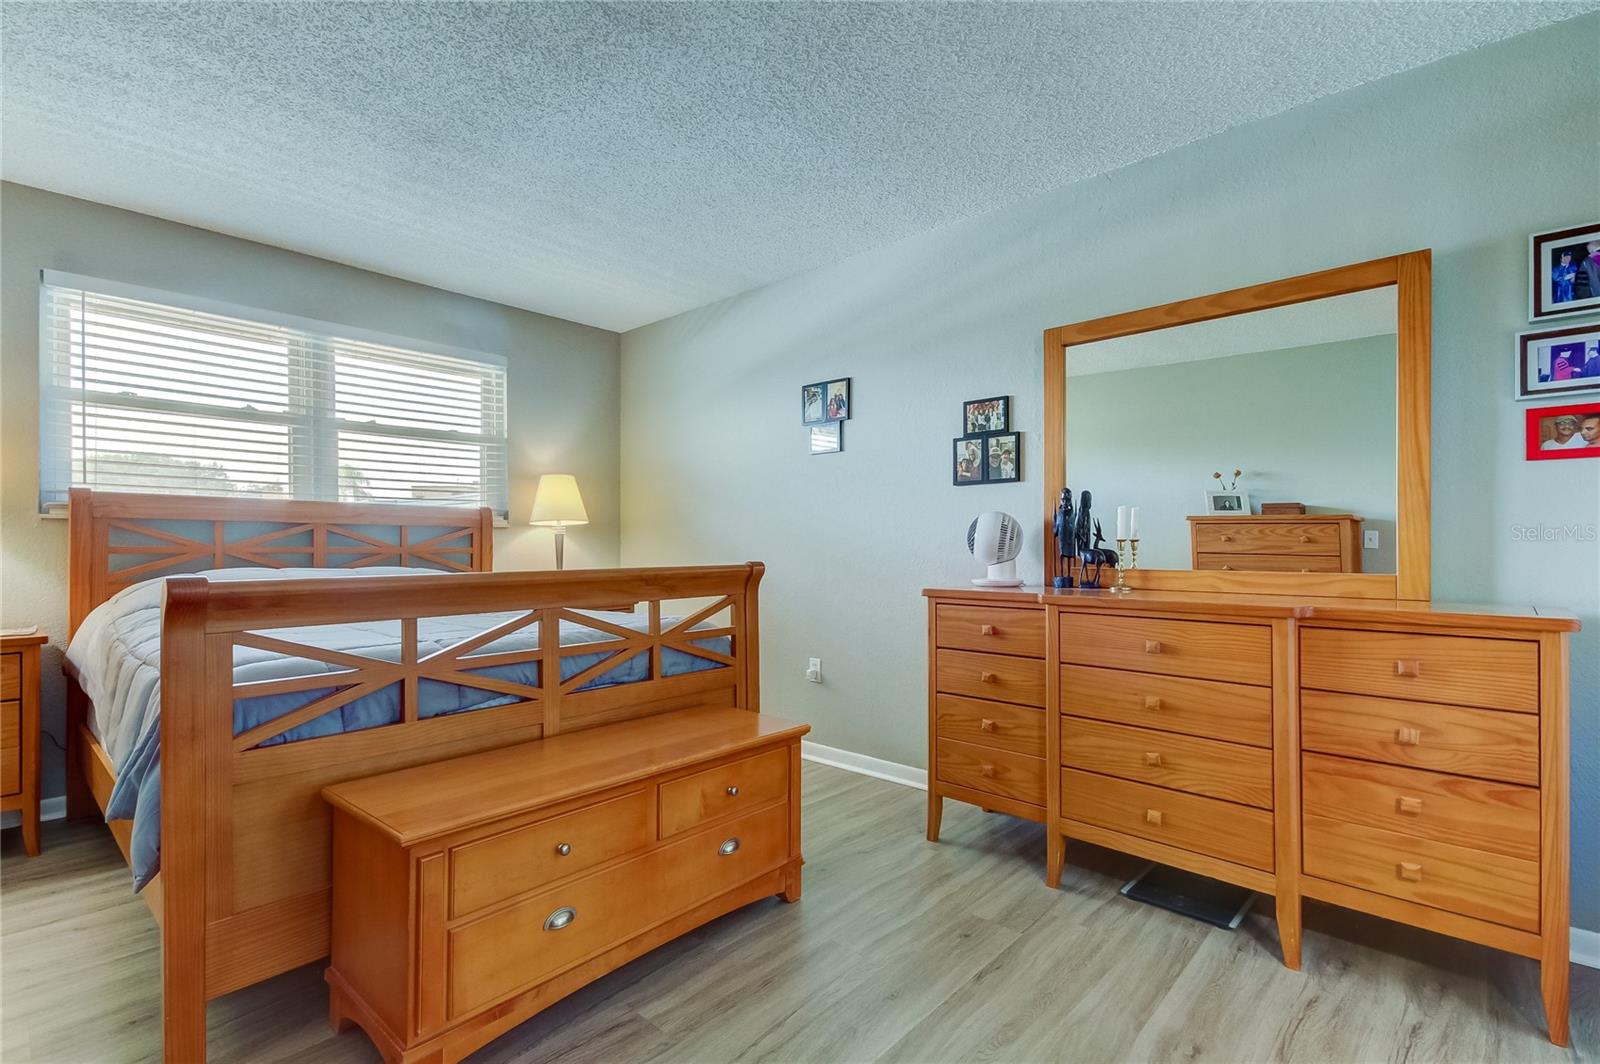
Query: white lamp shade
[(557, 501)]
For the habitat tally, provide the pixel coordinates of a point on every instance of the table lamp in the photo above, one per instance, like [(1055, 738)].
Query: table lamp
[(557, 504)]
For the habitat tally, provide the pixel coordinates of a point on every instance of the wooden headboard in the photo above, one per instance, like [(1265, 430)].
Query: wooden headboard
[(119, 538)]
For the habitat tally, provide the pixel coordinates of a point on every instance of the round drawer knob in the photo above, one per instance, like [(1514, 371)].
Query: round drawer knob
[(728, 847), (560, 918), (563, 848), (733, 792)]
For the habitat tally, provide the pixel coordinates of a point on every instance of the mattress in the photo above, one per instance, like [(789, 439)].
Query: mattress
[(117, 651)]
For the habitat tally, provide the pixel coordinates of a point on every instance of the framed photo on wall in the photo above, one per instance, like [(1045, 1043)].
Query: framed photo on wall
[(827, 438), (968, 461), (1002, 457), (986, 415), (1561, 432), (1564, 272), (825, 401), (1562, 361)]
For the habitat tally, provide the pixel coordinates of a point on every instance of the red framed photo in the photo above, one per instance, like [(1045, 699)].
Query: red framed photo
[(1571, 431)]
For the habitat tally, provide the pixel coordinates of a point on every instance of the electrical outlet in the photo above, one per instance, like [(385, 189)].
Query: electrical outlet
[(814, 670), (1371, 538)]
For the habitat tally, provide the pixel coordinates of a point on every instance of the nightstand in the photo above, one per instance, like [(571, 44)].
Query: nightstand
[(19, 732)]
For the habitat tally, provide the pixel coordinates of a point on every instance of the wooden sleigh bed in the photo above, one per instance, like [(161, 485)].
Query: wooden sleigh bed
[(244, 888)]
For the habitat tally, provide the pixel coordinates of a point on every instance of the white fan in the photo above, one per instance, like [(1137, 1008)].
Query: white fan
[(995, 539)]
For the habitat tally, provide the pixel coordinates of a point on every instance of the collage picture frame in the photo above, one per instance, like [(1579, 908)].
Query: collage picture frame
[(824, 408), (989, 451)]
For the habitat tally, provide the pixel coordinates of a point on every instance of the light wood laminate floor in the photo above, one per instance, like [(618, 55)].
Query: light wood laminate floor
[(900, 950)]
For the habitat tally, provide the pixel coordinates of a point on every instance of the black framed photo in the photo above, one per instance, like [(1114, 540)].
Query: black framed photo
[(1002, 457), (825, 401), (986, 415), (1563, 360), (1564, 272), (827, 438), (968, 460)]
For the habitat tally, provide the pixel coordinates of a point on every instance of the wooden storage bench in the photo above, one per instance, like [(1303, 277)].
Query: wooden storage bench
[(470, 894)]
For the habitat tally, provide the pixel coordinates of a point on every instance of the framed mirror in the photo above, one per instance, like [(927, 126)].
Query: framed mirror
[(1275, 439)]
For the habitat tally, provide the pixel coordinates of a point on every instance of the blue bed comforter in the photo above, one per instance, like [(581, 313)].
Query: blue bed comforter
[(117, 654)]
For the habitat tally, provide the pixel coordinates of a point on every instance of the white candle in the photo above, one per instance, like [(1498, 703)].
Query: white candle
[(1133, 523), (1122, 522)]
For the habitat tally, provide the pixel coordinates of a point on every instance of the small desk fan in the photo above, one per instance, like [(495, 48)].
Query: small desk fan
[(995, 539)]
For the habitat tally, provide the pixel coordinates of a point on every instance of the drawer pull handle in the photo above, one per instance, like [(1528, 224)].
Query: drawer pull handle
[(733, 792), (1305, 539), (986, 629), (1152, 759), (1227, 568), (560, 918), (729, 847), (1412, 669), (987, 677), (1153, 705), (1305, 570), (1410, 870), (1407, 736), (985, 724), (1226, 539), (986, 769), (1152, 646), (1153, 816), (1408, 806), (563, 848)]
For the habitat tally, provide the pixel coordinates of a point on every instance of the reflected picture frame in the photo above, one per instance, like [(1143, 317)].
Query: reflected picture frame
[(1228, 503)]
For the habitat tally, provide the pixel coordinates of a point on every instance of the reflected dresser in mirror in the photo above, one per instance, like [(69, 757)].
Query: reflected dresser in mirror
[(1320, 730)]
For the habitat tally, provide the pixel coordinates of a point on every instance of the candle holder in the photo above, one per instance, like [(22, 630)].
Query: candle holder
[(1127, 558)]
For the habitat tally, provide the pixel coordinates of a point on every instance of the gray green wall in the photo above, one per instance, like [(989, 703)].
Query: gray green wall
[(1308, 424), (1466, 156), (563, 382)]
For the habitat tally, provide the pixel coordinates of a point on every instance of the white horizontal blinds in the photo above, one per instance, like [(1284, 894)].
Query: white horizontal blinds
[(144, 395)]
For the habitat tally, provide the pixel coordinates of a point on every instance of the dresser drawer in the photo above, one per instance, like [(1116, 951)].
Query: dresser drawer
[(10, 676), (992, 629), (1235, 712), (1208, 650), (1489, 886), (1469, 671), (492, 869), (1232, 832), (1274, 537), (999, 772), (1270, 563), (990, 676), (10, 747), (998, 725), (730, 788), (607, 907), (1455, 739), (1182, 762), (1482, 815)]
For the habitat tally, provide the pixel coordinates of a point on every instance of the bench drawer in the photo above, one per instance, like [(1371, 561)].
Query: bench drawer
[(1270, 563), (1455, 739), (488, 870), (1235, 712), (1464, 670), (992, 676), (1232, 832), (991, 629), (1479, 814), (1207, 650), (607, 907), (1019, 777), (1267, 537), (725, 789), (1182, 762), (997, 725), (1458, 879)]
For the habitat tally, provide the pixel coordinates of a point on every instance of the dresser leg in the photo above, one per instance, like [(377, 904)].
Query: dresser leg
[(1055, 856), (1554, 972), (30, 828), (935, 814), (336, 1017), (1288, 915)]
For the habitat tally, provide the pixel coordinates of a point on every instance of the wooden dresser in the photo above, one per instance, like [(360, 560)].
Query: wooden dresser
[(19, 732), (1294, 543), (469, 895), (1406, 759)]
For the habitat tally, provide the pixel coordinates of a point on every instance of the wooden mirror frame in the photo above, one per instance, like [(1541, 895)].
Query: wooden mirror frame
[(1411, 274)]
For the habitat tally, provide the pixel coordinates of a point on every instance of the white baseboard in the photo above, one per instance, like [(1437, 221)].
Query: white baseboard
[(1585, 944), (875, 767), (53, 808)]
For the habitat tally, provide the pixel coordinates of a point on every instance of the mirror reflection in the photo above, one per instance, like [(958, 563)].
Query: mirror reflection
[(1264, 441)]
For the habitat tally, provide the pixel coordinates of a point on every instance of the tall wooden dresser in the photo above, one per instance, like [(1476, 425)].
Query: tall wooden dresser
[(1406, 759)]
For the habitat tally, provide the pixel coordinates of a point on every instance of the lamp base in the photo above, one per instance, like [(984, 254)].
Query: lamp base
[(561, 538)]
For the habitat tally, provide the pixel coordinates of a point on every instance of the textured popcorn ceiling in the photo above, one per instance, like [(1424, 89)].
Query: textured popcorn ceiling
[(618, 163)]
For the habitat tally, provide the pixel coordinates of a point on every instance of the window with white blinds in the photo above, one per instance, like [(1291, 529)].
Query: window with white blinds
[(149, 391)]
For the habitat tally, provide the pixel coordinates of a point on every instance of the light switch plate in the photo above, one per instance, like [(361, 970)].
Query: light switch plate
[(1371, 539)]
